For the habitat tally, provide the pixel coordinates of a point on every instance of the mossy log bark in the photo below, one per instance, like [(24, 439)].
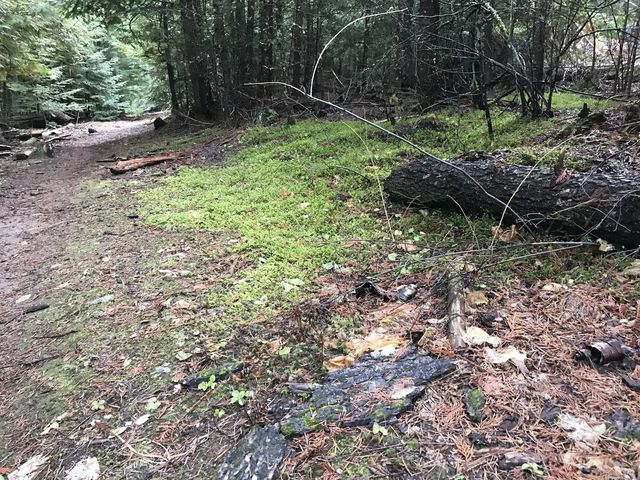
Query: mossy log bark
[(601, 205)]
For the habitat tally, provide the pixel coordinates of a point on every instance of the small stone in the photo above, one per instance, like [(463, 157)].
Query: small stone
[(142, 420), (159, 123), (92, 130), (512, 460), (633, 270), (101, 300), (36, 307), (87, 469), (24, 155)]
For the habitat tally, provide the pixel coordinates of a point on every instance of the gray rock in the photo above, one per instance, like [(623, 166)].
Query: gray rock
[(24, 155), (511, 460), (343, 397), (5, 148), (159, 123), (257, 456), (101, 300)]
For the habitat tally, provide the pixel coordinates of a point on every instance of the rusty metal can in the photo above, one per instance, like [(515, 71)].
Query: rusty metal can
[(604, 352)]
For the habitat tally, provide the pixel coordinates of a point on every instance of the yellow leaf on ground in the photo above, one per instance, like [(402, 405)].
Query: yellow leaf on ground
[(477, 299), (376, 340), (337, 363)]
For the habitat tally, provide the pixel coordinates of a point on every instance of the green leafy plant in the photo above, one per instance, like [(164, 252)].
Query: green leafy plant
[(183, 356), (219, 413), (240, 396), (533, 469), (97, 405), (284, 352), (152, 405), (208, 385), (380, 430)]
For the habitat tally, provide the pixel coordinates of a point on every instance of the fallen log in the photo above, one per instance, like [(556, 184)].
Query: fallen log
[(596, 204), (124, 166)]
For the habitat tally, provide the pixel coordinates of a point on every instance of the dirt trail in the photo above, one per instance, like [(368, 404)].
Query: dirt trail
[(36, 206), (37, 214)]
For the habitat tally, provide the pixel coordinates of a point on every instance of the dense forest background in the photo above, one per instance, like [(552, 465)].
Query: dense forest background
[(101, 60)]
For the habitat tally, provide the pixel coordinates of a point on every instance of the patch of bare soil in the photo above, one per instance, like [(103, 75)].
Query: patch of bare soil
[(88, 313)]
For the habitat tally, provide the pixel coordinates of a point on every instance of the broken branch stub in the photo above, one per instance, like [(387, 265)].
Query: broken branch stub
[(457, 307)]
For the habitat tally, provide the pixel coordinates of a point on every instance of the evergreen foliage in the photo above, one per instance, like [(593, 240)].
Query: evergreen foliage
[(53, 63)]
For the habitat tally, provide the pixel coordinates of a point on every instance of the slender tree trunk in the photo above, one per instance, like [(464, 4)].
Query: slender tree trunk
[(309, 57), (619, 84), (364, 58), (538, 46), (250, 72), (194, 58), (297, 33), (222, 51), (318, 45), (171, 75), (240, 38), (481, 74), (429, 23), (407, 65), (7, 101), (633, 54), (267, 34), (594, 53)]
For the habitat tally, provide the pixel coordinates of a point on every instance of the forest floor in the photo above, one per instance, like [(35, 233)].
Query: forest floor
[(242, 257)]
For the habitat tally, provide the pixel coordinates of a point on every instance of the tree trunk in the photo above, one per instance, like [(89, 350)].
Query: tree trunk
[(196, 64), (267, 29), (222, 50), (171, 75), (597, 204), (407, 66), (364, 58), (622, 35), (250, 72), (239, 41), (429, 26), (309, 58), (297, 33)]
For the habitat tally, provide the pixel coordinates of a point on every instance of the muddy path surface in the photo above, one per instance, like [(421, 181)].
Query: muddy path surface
[(36, 205), (41, 212)]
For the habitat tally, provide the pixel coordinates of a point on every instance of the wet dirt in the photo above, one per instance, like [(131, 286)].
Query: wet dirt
[(36, 204)]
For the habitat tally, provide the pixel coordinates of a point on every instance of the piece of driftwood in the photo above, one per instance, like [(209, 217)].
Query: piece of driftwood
[(136, 163), (594, 203)]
